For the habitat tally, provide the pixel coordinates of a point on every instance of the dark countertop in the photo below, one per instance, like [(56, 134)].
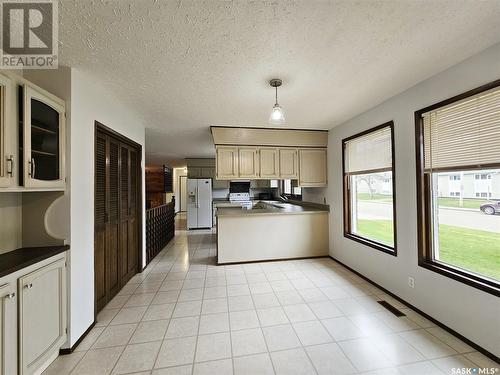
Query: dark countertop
[(274, 208), (15, 260)]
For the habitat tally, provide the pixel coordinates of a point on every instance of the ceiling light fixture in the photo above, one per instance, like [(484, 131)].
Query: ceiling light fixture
[(277, 113)]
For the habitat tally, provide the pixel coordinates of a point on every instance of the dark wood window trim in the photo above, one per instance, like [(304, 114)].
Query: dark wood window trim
[(424, 203), (347, 202)]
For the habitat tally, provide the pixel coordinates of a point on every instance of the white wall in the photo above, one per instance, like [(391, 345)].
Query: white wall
[(177, 173), (87, 101), (469, 311)]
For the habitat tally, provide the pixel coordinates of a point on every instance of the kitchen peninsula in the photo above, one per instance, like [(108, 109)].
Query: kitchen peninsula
[(270, 231)]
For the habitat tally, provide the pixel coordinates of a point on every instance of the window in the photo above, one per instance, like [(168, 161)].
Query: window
[(460, 237), (455, 177), (291, 190), (369, 188)]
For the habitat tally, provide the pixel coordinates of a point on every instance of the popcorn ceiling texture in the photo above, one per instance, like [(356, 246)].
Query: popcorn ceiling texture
[(186, 65)]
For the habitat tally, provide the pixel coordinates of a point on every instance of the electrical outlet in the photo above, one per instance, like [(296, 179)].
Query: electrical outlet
[(411, 281)]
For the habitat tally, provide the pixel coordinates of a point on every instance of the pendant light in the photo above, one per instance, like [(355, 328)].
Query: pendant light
[(277, 114)]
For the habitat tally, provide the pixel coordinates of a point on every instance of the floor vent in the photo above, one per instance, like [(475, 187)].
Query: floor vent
[(391, 308)]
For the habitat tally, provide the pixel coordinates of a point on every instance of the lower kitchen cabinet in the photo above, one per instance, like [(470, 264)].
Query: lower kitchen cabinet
[(42, 315), (8, 328), (33, 311)]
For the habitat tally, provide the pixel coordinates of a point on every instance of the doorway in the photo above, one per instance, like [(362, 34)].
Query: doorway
[(182, 193), (117, 213)]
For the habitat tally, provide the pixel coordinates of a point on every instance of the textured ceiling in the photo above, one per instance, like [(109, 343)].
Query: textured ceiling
[(186, 65)]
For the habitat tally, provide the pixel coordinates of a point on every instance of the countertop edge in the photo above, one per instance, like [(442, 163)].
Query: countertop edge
[(18, 259)]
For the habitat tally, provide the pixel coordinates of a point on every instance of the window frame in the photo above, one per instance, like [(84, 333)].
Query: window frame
[(424, 202), (392, 250)]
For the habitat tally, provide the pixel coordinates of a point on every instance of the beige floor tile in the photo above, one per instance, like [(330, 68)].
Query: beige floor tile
[(220, 367), (137, 357), (176, 352), (182, 327), (430, 346), (105, 316), (214, 323), (149, 331), (281, 337), (328, 359), (143, 299), (166, 297), (159, 312), (89, 339), (64, 364), (214, 306), (272, 316), (98, 362), (311, 333), (299, 313), (293, 361), (240, 303), (115, 336), (212, 347), (259, 364), (182, 309), (178, 370), (248, 341), (129, 315), (243, 319)]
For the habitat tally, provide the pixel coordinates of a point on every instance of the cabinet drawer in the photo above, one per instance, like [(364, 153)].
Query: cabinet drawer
[(42, 315)]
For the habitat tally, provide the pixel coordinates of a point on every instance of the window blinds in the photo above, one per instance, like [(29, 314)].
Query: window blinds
[(463, 134), (369, 153)]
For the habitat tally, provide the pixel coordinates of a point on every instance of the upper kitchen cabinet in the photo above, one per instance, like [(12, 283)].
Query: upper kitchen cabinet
[(43, 131), (227, 163), (6, 132), (312, 167), (269, 163), (248, 162), (288, 162)]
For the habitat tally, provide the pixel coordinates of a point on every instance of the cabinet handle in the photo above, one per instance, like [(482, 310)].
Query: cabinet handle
[(31, 171), (29, 286), (10, 295), (10, 165)]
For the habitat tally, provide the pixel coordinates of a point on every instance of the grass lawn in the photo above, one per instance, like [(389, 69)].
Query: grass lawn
[(374, 197), (455, 202), (474, 250)]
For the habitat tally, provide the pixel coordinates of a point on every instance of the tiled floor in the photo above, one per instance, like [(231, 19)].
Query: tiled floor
[(184, 315)]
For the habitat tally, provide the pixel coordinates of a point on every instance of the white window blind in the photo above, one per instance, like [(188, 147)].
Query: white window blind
[(465, 133), (369, 152)]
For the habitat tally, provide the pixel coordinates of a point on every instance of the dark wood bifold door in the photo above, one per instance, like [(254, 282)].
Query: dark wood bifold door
[(117, 215)]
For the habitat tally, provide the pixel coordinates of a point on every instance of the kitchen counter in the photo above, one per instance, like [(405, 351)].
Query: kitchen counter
[(272, 208), (270, 231), (15, 260)]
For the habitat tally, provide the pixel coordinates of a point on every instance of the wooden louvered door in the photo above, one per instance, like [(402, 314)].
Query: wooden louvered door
[(128, 213), (117, 221)]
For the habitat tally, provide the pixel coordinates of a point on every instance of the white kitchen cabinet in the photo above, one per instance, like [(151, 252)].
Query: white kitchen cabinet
[(7, 131), (42, 315), (227, 163), (8, 328), (312, 167), (288, 162), (269, 163), (248, 162), (44, 138)]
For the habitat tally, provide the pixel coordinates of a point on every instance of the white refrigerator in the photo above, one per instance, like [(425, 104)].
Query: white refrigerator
[(199, 203)]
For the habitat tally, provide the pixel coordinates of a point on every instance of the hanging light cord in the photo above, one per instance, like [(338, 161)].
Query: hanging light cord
[(276, 87)]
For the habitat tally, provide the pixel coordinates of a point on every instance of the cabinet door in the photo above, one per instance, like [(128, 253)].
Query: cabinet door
[(312, 167), (227, 163), (248, 162), (8, 329), (220, 184), (6, 129), (42, 315), (269, 162), (288, 160), (44, 140), (207, 172)]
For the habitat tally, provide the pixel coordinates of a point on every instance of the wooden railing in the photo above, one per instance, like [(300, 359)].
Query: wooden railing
[(160, 229)]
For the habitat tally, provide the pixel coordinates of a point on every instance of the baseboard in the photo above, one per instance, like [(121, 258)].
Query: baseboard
[(71, 349), (270, 260), (435, 321)]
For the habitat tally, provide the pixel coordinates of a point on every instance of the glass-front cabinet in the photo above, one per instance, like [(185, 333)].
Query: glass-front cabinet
[(6, 157), (43, 130)]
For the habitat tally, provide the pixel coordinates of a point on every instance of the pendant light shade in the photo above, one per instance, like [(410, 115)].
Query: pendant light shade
[(277, 114)]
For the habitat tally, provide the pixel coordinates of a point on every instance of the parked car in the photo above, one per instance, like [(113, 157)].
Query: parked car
[(491, 207)]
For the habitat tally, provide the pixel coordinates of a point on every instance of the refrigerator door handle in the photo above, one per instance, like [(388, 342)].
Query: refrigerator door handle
[(197, 198)]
